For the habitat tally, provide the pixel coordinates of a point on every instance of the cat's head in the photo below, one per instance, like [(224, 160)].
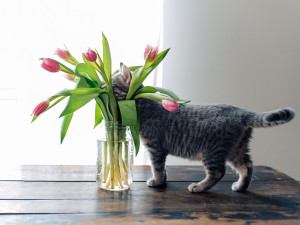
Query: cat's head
[(121, 82)]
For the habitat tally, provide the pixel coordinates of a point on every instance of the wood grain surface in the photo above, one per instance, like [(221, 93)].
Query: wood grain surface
[(141, 173), (68, 195)]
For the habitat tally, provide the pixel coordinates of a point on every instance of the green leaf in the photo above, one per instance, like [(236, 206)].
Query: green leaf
[(146, 89), (135, 132), (63, 67), (64, 92), (76, 102), (100, 67), (154, 96), (105, 99), (90, 82), (182, 102), (86, 91), (150, 89), (134, 83), (132, 69), (167, 92), (100, 60), (128, 112), (106, 57), (34, 118), (89, 72), (64, 126), (98, 114), (81, 92)]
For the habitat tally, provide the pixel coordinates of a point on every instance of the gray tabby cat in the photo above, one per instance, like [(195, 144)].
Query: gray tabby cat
[(214, 134)]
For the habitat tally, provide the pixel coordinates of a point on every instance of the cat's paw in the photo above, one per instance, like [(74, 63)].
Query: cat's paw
[(196, 188), (152, 182), (237, 187)]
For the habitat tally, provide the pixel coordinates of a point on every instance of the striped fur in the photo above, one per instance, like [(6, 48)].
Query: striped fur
[(214, 134), (269, 119)]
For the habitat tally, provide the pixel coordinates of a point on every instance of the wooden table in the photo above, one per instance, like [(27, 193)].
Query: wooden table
[(69, 195)]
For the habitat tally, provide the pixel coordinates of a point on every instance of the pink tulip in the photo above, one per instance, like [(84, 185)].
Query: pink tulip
[(65, 55), (50, 65), (170, 105), (153, 53), (41, 108), (90, 55), (147, 50)]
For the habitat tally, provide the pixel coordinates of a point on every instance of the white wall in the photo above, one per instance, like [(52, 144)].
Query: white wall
[(244, 53)]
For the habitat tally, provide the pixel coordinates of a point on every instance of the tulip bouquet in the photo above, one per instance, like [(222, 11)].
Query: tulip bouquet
[(90, 76)]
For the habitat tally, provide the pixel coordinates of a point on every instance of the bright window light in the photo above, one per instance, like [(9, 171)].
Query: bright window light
[(33, 29)]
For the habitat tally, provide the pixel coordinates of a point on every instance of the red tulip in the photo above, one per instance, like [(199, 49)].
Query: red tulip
[(64, 54), (42, 107), (50, 65), (153, 53), (170, 105), (90, 55)]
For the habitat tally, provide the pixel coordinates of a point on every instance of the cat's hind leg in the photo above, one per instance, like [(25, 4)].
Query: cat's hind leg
[(245, 174), (214, 172), (240, 161), (158, 159)]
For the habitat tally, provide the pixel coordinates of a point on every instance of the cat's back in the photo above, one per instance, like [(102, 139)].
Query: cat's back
[(193, 128), (193, 121), (209, 111)]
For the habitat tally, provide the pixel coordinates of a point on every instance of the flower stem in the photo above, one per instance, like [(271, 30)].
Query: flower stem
[(105, 162), (126, 162), (109, 137), (56, 102)]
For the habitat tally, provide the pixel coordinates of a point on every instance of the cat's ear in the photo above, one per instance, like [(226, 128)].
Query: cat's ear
[(125, 72)]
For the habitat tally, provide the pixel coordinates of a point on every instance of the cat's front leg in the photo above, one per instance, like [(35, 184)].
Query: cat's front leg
[(159, 173)]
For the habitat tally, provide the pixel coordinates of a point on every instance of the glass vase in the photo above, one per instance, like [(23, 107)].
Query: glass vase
[(114, 170)]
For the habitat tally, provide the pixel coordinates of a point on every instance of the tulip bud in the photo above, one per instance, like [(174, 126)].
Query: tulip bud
[(170, 105), (90, 55), (40, 108), (50, 65), (64, 54), (70, 76), (153, 52), (147, 50)]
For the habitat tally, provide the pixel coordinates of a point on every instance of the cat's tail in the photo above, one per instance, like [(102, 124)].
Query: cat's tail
[(269, 119)]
